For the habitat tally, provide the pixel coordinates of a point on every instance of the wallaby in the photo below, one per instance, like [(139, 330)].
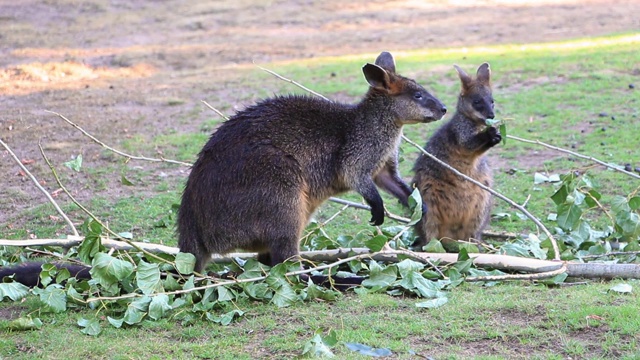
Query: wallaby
[(265, 171), (459, 209)]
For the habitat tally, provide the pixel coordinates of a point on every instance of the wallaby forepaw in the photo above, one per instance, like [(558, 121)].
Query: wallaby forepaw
[(377, 217), (494, 136)]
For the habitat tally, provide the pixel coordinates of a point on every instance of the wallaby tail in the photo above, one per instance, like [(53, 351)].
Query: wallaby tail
[(28, 273)]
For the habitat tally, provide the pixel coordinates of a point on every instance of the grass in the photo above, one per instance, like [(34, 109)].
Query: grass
[(556, 93), (514, 320)]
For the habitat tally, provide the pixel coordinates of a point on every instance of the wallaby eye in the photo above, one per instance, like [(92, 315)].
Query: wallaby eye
[(417, 96)]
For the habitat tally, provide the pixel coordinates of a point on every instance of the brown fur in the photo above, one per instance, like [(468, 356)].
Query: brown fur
[(263, 173), (458, 209)]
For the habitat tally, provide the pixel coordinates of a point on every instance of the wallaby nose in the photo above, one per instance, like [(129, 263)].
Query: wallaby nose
[(491, 115), (444, 109)]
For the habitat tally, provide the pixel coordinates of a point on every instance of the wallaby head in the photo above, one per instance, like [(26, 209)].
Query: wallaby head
[(476, 101), (411, 103)]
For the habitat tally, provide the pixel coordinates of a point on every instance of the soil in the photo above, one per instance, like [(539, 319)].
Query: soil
[(135, 70)]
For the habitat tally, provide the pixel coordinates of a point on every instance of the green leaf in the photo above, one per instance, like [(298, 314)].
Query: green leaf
[(226, 294), (434, 246), (560, 195), (185, 263), (54, 297), (24, 323), (376, 243), (491, 122), (407, 266), (319, 345), (136, 310), (380, 276), (62, 275), (90, 246), (226, 318), (90, 327), (74, 164), (416, 283), (568, 216), (634, 203), (117, 323), (415, 204), (108, 270), (125, 181), (556, 280), (13, 290), (433, 303), (503, 133), (258, 291), (367, 350), (126, 235), (620, 204), (148, 278), (284, 296), (514, 249), (159, 306), (622, 288), (318, 292)]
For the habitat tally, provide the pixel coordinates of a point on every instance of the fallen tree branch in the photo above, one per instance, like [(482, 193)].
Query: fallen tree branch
[(573, 153), (37, 184), (492, 261), (133, 157)]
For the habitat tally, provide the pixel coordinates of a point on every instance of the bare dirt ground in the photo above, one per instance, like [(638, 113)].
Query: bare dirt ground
[(123, 69)]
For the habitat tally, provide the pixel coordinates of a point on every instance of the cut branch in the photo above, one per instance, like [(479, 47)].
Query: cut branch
[(37, 184), (573, 153), (133, 157)]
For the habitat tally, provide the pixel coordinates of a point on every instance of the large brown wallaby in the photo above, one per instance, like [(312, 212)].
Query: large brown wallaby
[(264, 172), (459, 209)]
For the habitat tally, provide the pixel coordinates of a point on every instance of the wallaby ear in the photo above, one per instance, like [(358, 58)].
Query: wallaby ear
[(484, 73), (386, 61), (464, 77), (376, 76)]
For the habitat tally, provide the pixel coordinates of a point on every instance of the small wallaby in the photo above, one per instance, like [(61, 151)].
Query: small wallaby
[(265, 171), (458, 209)]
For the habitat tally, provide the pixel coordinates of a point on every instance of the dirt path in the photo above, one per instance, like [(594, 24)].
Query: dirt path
[(123, 68)]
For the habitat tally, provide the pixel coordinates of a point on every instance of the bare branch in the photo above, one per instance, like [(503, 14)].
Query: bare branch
[(573, 153), (114, 150), (215, 110), (292, 82), (37, 184), (104, 226)]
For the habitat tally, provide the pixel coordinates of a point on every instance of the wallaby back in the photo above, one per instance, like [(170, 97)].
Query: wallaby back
[(458, 209), (265, 171)]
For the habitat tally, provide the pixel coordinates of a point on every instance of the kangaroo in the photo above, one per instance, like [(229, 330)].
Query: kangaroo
[(458, 209), (265, 171)]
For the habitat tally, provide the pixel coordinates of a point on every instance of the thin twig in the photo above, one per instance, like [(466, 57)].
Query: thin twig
[(37, 184), (292, 82), (86, 211), (537, 276), (573, 153), (554, 244), (215, 110), (161, 159), (613, 253)]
